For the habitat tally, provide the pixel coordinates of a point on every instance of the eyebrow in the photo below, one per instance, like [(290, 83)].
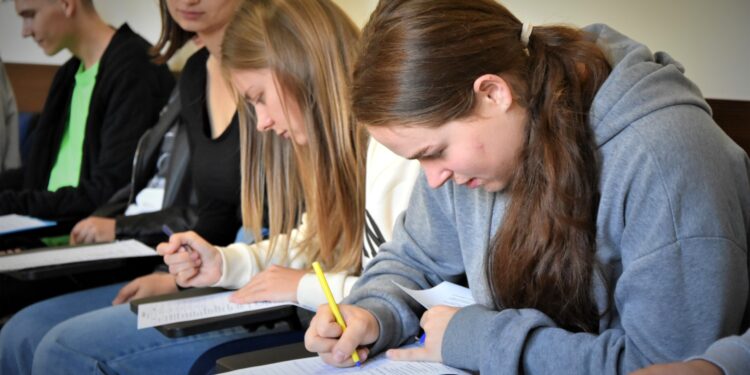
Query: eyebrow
[(419, 154)]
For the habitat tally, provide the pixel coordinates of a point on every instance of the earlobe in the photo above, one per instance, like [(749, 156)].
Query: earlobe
[(495, 90)]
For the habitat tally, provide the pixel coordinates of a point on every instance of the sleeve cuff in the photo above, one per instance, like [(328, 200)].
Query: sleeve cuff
[(235, 267), (388, 327), (463, 335), (729, 355), (310, 294)]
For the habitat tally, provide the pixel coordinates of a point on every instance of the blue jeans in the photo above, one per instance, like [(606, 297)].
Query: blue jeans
[(20, 336), (106, 341)]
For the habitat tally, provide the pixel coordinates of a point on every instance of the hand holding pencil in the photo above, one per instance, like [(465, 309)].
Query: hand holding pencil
[(338, 332)]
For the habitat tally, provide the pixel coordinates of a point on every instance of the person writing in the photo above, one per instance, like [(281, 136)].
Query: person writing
[(574, 178)]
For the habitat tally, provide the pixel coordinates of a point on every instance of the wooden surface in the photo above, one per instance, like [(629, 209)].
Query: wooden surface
[(734, 117), (30, 84)]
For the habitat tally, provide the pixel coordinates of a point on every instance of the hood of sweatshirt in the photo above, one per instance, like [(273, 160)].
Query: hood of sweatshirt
[(640, 83)]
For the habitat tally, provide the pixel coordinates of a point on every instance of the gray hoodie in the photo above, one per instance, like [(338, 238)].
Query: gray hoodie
[(671, 240), (732, 354)]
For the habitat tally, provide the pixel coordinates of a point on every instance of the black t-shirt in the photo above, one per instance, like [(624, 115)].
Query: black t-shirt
[(215, 163)]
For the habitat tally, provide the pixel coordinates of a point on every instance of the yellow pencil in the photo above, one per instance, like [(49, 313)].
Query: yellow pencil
[(332, 304)]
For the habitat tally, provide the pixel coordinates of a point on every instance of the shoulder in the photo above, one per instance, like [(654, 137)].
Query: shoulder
[(128, 53)]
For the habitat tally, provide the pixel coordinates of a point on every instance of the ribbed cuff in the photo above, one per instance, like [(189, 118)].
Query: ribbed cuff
[(462, 338)]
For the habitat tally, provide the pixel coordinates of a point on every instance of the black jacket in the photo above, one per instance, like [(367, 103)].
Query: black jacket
[(179, 207), (129, 92)]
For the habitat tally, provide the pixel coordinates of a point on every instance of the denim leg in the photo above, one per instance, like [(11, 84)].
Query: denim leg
[(106, 341), (20, 336)]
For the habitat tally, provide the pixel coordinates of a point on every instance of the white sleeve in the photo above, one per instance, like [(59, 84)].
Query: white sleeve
[(240, 262), (310, 293)]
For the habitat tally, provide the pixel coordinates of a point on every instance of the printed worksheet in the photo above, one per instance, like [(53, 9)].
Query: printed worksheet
[(445, 294), (380, 365), (74, 254), (16, 223), (194, 308)]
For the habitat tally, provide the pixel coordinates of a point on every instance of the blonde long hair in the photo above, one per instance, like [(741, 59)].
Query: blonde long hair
[(309, 45)]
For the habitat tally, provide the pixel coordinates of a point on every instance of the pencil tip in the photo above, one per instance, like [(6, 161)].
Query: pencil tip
[(358, 364)]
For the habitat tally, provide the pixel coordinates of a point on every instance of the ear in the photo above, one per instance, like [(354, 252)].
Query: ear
[(494, 90), (68, 7)]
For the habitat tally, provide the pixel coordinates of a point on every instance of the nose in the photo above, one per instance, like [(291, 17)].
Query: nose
[(436, 174), (26, 30), (264, 121)]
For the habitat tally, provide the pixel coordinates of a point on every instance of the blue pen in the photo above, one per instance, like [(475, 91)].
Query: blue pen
[(168, 231), (422, 338)]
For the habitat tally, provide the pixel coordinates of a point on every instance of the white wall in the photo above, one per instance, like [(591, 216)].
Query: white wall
[(141, 15), (711, 38)]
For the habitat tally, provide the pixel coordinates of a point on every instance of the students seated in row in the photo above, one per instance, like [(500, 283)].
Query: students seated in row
[(213, 174), (728, 356), (575, 178), (299, 89), (99, 104), (10, 156)]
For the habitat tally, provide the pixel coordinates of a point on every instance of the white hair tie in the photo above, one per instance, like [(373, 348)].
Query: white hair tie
[(526, 33)]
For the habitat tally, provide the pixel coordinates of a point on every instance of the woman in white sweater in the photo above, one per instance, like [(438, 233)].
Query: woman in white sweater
[(298, 87)]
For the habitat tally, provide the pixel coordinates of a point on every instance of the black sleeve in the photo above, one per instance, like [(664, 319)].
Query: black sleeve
[(132, 106), (147, 228), (116, 205), (12, 179)]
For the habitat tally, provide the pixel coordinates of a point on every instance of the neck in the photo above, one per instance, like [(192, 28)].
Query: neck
[(92, 38), (212, 41)]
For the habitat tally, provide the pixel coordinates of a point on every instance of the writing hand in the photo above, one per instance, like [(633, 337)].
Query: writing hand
[(201, 266), (325, 335)]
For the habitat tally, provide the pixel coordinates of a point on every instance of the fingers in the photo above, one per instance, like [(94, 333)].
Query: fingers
[(363, 353), (350, 339), (185, 277), (126, 292)]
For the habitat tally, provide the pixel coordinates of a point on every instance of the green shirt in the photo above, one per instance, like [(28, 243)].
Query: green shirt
[(67, 168)]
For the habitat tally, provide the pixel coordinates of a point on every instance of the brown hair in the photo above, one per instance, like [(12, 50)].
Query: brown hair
[(418, 62), (172, 36), (309, 47)]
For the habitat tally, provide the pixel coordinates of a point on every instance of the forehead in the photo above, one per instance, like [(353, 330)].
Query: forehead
[(246, 79), (31, 5), (406, 139)]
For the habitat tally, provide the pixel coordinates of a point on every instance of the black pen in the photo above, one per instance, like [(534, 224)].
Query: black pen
[(165, 228)]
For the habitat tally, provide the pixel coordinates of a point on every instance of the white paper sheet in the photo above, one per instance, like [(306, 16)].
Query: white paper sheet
[(379, 365), (16, 223), (39, 258), (445, 294), (194, 308)]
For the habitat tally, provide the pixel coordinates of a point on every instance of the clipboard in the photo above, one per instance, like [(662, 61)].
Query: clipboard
[(263, 357), (251, 319), (139, 264)]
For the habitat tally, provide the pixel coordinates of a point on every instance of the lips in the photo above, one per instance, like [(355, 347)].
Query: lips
[(190, 15), (473, 183)]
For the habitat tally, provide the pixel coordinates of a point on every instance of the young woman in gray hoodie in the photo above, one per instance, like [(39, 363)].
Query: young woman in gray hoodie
[(572, 178)]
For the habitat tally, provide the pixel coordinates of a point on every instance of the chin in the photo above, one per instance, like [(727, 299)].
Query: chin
[(494, 187), (51, 51)]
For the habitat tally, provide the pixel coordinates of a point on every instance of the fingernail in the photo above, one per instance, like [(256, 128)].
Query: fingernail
[(339, 356)]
